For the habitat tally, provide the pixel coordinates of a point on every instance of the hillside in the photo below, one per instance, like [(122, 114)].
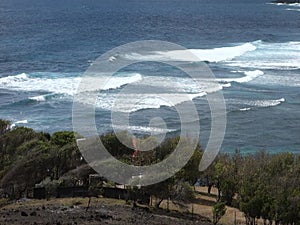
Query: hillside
[(260, 186), (101, 211)]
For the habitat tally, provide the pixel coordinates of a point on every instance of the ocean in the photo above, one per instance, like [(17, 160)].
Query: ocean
[(252, 47)]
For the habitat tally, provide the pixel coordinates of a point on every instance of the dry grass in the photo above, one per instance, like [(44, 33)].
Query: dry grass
[(64, 202), (3, 202), (204, 205), (101, 211)]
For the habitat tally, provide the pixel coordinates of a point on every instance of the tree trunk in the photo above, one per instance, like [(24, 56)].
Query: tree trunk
[(219, 194), (209, 189), (88, 206), (158, 203)]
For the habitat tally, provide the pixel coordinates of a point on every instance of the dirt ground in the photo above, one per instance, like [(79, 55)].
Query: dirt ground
[(71, 211)]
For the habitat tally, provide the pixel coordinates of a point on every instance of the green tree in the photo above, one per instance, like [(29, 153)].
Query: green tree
[(219, 210), (4, 126)]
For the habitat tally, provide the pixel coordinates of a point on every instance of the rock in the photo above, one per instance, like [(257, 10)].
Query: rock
[(99, 217), (33, 214), (24, 213)]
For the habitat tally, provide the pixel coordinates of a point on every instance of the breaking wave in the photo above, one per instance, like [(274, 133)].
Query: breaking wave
[(63, 85), (145, 129), (18, 122), (211, 55), (267, 55), (250, 75), (262, 104)]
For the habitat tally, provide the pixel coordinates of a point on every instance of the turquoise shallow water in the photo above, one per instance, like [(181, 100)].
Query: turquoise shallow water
[(252, 47)]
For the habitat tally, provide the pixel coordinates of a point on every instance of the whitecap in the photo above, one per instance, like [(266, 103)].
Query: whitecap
[(9, 80), (293, 9), (250, 75), (175, 89), (21, 121), (117, 82), (255, 104), (129, 103), (18, 122), (211, 55), (295, 4), (267, 103), (39, 98), (154, 92), (279, 56), (226, 85), (112, 58), (245, 109), (145, 129), (64, 85)]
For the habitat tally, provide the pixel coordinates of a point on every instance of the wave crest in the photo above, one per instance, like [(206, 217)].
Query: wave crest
[(268, 103), (62, 85), (210, 55), (250, 75), (262, 104)]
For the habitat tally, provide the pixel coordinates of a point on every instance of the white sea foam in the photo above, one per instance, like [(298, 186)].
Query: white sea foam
[(245, 109), (160, 91), (112, 58), (289, 5), (283, 79), (250, 75), (285, 64), (293, 9), (22, 121), (176, 89), (117, 82), (268, 103), (39, 98), (154, 92), (279, 56), (18, 122), (211, 55), (64, 85), (274, 3), (145, 129), (226, 85), (24, 82), (114, 82), (252, 104), (182, 84), (10, 79), (135, 102), (295, 4)]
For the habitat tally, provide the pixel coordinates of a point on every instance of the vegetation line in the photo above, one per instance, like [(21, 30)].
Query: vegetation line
[(263, 186)]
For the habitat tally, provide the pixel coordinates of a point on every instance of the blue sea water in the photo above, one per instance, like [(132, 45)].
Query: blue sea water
[(253, 48)]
